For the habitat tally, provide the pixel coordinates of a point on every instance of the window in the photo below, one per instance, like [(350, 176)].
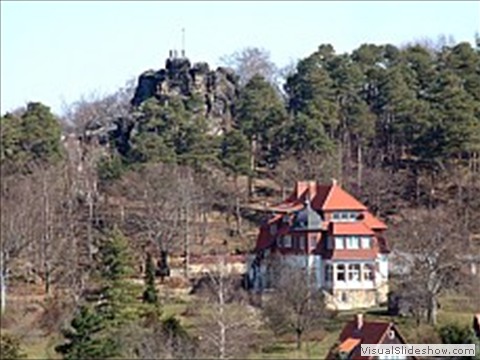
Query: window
[(366, 243), (352, 242), (368, 273), (301, 242), (287, 241), (339, 242), (345, 216), (328, 273), (341, 272), (280, 241), (354, 272)]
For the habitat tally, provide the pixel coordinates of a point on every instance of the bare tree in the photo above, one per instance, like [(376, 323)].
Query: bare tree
[(429, 244), (153, 196), (94, 111), (296, 304), (20, 221), (162, 340), (227, 324), (251, 61)]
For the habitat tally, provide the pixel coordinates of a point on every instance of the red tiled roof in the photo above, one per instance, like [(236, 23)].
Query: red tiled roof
[(287, 206), (351, 228), (373, 222), (357, 254), (371, 332), (339, 199), (324, 198)]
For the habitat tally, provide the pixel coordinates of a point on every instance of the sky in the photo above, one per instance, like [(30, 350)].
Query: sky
[(58, 51)]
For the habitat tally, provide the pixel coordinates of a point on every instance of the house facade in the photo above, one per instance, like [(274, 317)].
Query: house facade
[(325, 230)]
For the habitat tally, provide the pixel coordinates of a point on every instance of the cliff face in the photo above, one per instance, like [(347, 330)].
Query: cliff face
[(211, 93)]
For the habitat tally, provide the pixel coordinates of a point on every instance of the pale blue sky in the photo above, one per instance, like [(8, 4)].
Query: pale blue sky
[(56, 51)]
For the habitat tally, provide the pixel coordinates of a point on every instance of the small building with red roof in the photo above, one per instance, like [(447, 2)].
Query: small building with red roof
[(358, 332), (325, 229)]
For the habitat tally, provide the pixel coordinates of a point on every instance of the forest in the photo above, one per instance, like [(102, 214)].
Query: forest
[(106, 207)]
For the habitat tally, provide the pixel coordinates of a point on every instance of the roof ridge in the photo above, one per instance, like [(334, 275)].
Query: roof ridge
[(330, 190)]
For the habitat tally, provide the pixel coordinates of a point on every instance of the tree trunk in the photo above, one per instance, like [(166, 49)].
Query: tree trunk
[(252, 169), (238, 218), (432, 311), (359, 165), (89, 225), (3, 292), (221, 309), (3, 283), (340, 163), (46, 236), (298, 334), (187, 242)]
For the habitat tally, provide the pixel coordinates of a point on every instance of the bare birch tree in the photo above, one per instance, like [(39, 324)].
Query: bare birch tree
[(227, 324)]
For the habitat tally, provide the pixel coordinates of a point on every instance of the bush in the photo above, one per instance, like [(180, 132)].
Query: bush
[(110, 169), (10, 347), (456, 334)]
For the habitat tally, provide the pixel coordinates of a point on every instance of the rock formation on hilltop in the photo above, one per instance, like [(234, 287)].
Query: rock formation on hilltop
[(211, 93)]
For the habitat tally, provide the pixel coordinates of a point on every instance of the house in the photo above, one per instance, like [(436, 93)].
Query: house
[(358, 332), (324, 229)]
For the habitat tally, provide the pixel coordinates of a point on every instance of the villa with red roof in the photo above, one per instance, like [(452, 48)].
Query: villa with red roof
[(326, 230)]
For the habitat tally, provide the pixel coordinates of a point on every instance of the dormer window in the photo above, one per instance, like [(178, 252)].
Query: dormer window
[(345, 216)]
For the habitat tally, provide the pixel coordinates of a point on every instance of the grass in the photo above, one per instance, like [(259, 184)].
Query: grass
[(454, 309)]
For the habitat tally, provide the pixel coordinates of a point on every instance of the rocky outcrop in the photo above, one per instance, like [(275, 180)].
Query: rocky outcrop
[(211, 93)]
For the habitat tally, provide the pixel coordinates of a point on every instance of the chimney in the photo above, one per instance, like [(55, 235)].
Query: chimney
[(312, 190), (359, 321), (300, 188), (334, 182)]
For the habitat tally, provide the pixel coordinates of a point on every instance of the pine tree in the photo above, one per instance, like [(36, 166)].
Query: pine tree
[(84, 340), (150, 293), (117, 306)]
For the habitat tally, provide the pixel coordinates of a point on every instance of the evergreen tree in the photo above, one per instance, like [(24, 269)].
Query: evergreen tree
[(118, 294), (259, 112), (150, 293), (84, 337), (235, 153), (235, 158), (32, 138)]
